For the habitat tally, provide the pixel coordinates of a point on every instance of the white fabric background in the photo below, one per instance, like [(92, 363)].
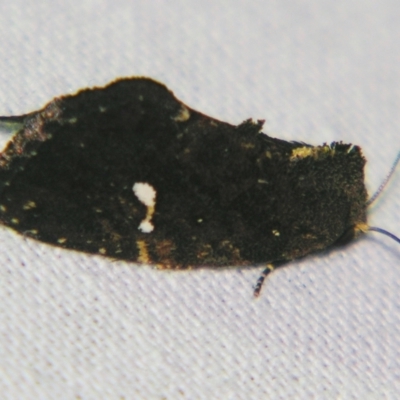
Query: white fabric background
[(328, 327)]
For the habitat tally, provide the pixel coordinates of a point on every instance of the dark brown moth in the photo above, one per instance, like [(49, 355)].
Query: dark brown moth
[(130, 172)]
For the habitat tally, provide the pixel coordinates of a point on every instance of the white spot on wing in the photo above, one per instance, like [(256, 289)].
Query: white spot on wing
[(146, 194), (146, 226)]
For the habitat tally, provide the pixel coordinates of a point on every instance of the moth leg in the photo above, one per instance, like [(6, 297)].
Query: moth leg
[(269, 268)]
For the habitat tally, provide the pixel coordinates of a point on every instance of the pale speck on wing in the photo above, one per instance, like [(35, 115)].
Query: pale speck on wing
[(29, 205), (183, 115)]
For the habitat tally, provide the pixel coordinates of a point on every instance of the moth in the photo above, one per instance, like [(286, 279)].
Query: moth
[(130, 172)]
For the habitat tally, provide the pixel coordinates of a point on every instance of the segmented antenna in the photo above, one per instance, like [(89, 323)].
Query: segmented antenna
[(375, 196), (384, 183)]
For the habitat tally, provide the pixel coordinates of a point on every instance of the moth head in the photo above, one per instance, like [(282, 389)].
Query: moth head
[(361, 228)]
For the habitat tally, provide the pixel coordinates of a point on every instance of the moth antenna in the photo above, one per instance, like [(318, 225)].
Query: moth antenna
[(11, 124), (10, 120), (380, 230), (375, 196), (384, 183)]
